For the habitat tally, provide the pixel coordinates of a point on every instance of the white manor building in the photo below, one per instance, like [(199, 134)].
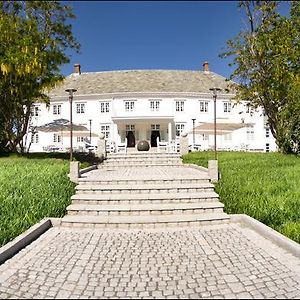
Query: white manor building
[(152, 105)]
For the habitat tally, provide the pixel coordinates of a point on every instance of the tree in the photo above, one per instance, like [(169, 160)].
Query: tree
[(266, 56), (33, 43)]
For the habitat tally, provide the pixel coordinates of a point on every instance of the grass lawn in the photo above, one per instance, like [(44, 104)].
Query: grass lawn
[(265, 186), (30, 190)]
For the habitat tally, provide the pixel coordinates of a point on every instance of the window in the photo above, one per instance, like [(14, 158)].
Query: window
[(205, 137), (105, 129), (228, 137), (267, 132), (179, 105), (81, 139), (80, 108), (155, 126), (104, 107), (57, 109), (250, 134), (227, 107), (179, 129), (35, 111), (203, 106), (56, 138), (130, 127), (129, 105), (35, 138), (267, 147), (154, 105)]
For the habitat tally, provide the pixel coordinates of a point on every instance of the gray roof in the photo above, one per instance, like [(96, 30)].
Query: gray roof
[(140, 81)]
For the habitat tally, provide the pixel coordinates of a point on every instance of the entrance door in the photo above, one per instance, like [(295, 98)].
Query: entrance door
[(130, 139), (154, 135)]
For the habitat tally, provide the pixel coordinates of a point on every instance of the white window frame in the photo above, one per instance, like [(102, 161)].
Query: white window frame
[(81, 139), (227, 107), (105, 129), (250, 133), (35, 138), (154, 105), (155, 126), (35, 111), (228, 137), (129, 105), (104, 107), (267, 132), (205, 137), (179, 105), (56, 138), (80, 108), (56, 109), (179, 128), (203, 106)]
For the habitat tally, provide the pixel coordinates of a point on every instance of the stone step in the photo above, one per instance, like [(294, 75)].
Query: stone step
[(140, 162), (144, 198), (149, 188), (145, 209), (116, 165), (89, 181), (142, 154), (131, 157), (144, 221)]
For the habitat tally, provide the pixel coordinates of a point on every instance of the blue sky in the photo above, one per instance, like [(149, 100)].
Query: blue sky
[(125, 35)]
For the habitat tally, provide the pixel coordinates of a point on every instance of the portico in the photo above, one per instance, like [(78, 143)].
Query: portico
[(143, 128)]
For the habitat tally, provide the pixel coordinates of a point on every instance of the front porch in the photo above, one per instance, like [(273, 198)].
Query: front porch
[(158, 132)]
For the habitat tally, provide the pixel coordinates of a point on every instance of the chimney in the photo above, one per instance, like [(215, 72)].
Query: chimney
[(205, 67), (77, 69)]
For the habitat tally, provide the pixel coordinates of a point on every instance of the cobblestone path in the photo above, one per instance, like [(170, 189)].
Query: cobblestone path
[(213, 261)]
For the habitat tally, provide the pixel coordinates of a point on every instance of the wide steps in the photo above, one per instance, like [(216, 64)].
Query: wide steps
[(149, 188), (142, 154), (88, 181), (144, 220), (144, 209), (144, 164), (123, 198)]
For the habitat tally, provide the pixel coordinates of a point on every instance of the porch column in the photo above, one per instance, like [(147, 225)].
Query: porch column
[(170, 132)]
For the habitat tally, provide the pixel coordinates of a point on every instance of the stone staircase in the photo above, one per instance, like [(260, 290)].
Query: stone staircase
[(115, 160), (144, 202)]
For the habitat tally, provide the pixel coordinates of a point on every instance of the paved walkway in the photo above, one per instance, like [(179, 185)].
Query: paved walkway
[(216, 261), (211, 261), (145, 173)]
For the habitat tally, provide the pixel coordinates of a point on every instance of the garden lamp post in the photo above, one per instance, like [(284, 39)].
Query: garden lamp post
[(215, 90), (193, 119), (90, 131), (71, 91)]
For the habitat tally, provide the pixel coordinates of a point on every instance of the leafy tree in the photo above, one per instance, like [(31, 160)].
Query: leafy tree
[(267, 61), (33, 42)]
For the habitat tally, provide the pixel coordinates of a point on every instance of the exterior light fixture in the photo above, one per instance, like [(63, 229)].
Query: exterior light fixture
[(193, 119), (215, 91), (71, 91)]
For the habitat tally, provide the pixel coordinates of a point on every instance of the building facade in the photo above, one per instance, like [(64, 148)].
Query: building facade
[(152, 105)]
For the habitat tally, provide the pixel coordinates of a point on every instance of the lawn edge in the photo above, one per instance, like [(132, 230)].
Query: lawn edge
[(268, 233), (24, 239)]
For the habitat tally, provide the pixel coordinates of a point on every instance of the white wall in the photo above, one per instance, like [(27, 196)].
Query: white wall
[(143, 117)]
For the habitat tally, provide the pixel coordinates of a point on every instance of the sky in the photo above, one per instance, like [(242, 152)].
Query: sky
[(127, 35)]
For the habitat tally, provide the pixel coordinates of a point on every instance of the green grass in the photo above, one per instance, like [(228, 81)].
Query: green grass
[(30, 190), (265, 186)]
